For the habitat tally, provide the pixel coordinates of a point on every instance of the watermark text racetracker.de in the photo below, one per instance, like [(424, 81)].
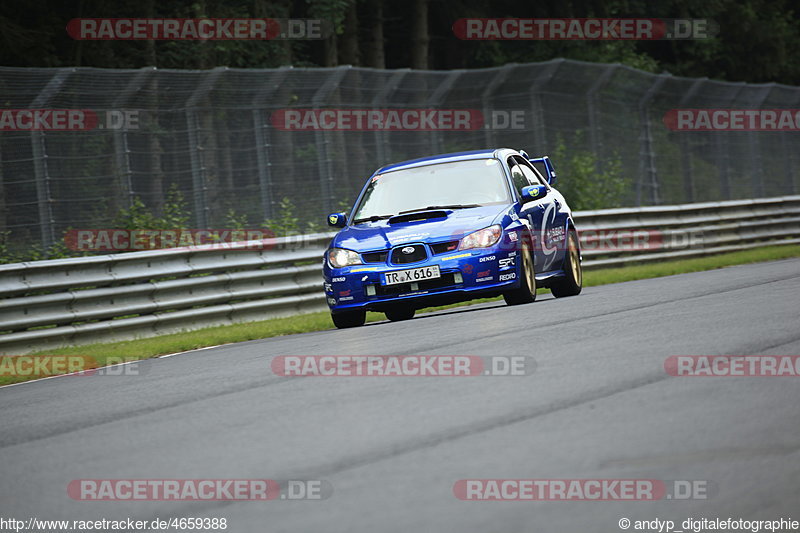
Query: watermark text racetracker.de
[(606, 490), (401, 365), (42, 366), (198, 29), (583, 29), (55, 120), (733, 365), (776, 120), (209, 490)]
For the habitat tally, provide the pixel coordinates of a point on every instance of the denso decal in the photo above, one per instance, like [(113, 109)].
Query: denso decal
[(338, 280), (487, 258)]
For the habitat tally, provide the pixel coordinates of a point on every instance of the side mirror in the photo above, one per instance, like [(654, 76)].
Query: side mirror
[(337, 220), (533, 192)]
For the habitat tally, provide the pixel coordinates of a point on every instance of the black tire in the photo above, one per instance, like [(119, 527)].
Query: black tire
[(400, 313), (526, 292), (349, 319), (572, 283)]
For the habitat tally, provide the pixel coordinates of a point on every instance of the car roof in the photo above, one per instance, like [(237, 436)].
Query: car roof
[(497, 153)]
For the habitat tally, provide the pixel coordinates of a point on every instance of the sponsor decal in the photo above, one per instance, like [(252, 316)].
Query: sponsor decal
[(506, 277), (344, 293), (468, 269), (484, 273), (328, 287), (512, 236), (345, 298), (459, 256), (338, 280), (487, 278), (487, 258), (507, 262)]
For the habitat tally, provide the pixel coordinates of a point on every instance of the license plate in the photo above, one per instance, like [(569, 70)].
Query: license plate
[(411, 275)]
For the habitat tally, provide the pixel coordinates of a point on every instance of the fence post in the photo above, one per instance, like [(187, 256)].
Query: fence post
[(263, 141), (756, 168), (591, 104), (435, 100), (39, 153), (647, 158), (537, 109), (321, 139), (122, 153), (379, 100), (686, 155), (723, 161), (199, 186), (497, 80)]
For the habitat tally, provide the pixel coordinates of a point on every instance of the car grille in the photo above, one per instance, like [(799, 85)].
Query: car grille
[(417, 254), (444, 247), (375, 257)]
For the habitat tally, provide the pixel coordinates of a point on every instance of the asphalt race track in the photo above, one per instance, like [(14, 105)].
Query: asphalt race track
[(599, 405)]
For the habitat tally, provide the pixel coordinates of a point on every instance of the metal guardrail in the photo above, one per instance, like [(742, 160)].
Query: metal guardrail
[(53, 303)]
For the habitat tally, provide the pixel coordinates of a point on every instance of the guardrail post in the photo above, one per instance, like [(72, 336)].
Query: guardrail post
[(40, 169), (321, 139), (199, 186), (647, 158)]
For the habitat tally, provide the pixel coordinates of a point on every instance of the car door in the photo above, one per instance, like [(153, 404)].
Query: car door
[(538, 213), (552, 236)]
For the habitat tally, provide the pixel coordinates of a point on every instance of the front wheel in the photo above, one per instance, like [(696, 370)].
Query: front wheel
[(526, 292), (349, 319), (400, 313), (572, 283)]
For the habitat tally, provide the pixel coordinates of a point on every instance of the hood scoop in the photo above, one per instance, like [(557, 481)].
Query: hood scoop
[(418, 216)]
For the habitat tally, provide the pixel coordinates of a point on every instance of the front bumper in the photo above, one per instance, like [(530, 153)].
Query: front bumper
[(464, 275)]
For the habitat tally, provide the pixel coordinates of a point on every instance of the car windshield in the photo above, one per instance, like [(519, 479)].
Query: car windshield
[(453, 185)]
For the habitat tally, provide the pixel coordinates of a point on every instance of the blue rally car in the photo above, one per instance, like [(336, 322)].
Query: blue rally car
[(450, 228)]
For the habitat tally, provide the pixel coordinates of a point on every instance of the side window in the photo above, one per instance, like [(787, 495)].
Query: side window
[(517, 175), (532, 175)]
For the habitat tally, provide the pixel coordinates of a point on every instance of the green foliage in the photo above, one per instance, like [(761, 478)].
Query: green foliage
[(582, 184), (175, 216), (287, 222)]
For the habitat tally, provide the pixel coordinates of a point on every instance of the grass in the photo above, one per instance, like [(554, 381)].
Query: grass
[(212, 336)]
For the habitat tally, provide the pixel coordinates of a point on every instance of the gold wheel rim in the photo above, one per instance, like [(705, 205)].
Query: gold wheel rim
[(575, 261)]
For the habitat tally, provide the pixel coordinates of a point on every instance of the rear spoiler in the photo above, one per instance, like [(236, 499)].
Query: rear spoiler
[(549, 171), (543, 165)]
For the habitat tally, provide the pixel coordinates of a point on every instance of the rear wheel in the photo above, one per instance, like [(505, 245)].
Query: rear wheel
[(526, 292), (572, 283), (349, 319), (400, 313)]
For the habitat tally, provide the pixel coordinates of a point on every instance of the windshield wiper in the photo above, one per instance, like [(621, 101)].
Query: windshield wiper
[(431, 207), (373, 218)]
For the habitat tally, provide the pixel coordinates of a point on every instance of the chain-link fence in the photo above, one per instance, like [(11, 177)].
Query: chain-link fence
[(209, 134)]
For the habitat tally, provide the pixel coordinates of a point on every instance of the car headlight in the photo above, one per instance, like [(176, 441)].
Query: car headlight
[(482, 238), (339, 257)]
